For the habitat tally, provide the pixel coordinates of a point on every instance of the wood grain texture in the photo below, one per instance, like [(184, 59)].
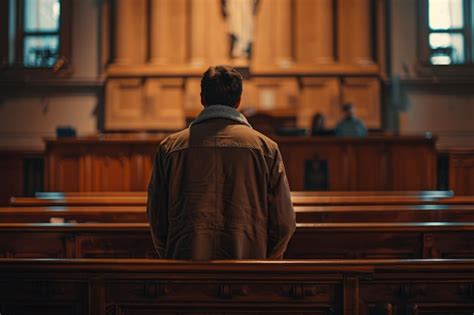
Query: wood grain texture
[(142, 287), (374, 163), (304, 214), (406, 240), (461, 171), (293, 39)]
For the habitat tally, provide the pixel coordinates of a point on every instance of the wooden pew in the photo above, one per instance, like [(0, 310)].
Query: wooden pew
[(144, 287), (379, 200), (65, 214), (311, 240), (424, 193), (429, 194), (304, 214), (298, 200), (390, 213)]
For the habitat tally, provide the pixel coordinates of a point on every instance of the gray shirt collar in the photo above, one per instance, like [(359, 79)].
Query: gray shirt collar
[(220, 111)]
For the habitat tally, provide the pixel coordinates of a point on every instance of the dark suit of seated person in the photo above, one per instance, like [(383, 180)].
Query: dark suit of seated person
[(317, 127), (350, 125)]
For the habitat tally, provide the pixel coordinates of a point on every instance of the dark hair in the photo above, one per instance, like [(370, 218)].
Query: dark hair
[(221, 85), (318, 122), (346, 107)]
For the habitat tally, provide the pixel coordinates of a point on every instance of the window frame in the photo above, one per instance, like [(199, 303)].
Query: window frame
[(424, 66), (16, 69)]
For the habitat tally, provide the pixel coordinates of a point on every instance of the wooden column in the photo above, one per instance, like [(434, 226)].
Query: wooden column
[(362, 33), (355, 31), (158, 31), (198, 33), (130, 31), (315, 31), (283, 33), (168, 40)]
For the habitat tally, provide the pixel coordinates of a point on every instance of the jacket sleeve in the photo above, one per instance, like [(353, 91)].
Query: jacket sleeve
[(281, 216), (157, 205)]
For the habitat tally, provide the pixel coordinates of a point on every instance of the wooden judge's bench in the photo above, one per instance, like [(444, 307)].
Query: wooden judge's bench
[(123, 163)]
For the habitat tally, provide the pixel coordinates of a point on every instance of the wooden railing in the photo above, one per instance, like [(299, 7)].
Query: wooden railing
[(304, 214), (311, 240), (142, 287), (298, 200)]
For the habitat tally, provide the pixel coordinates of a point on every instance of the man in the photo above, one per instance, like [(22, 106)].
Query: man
[(350, 126), (219, 188)]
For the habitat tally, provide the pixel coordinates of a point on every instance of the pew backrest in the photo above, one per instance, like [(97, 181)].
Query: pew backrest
[(123, 286), (304, 214), (298, 200), (311, 240)]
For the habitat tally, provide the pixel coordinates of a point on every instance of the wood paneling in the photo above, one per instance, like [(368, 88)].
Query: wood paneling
[(17, 176), (314, 37), (329, 40), (319, 95), (4, 34), (101, 166), (390, 240), (144, 287), (156, 104), (410, 167), (11, 173), (355, 33), (364, 94), (309, 199), (276, 94), (124, 103), (461, 171), (304, 214), (207, 34), (385, 163), (164, 104), (130, 30), (374, 163), (169, 21)]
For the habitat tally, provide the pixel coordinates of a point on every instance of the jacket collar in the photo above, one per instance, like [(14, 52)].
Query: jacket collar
[(220, 111)]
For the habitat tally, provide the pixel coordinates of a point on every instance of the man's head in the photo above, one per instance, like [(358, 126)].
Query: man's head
[(221, 85), (347, 110)]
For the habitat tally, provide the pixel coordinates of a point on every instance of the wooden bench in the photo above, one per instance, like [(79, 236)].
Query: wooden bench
[(298, 200), (304, 214), (311, 240), (143, 287), (424, 193), (65, 214), (382, 213)]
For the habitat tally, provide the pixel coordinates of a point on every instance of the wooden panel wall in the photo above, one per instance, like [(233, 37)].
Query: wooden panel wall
[(124, 164), (126, 286), (11, 173), (20, 172), (98, 166), (308, 56), (461, 171)]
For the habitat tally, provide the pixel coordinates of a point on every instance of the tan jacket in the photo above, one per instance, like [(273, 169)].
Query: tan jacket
[(219, 191)]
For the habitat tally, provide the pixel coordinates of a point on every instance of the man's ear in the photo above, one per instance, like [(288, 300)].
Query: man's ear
[(237, 103), (203, 102)]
